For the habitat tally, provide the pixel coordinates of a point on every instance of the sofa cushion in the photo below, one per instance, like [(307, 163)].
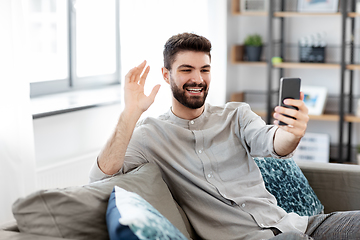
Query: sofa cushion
[(80, 212), (285, 180), (129, 216)]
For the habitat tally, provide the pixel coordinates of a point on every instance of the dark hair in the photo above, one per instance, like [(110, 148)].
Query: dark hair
[(184, 42)]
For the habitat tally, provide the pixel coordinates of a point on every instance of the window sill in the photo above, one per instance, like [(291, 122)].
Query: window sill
[(60, 103)]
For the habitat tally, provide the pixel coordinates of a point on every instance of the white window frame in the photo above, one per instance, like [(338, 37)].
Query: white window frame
[(72, 82)]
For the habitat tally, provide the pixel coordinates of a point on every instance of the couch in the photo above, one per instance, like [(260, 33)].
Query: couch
[(335, 185)]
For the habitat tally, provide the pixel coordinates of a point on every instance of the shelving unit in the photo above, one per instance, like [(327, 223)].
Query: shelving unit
[(344, 116)]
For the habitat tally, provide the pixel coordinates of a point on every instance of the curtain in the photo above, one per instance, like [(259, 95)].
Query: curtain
[(17, 157)]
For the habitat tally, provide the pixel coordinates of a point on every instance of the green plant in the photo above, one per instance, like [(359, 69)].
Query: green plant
[(253, 40)]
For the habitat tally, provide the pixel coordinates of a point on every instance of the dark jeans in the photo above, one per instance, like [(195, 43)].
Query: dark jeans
[(336, 226)]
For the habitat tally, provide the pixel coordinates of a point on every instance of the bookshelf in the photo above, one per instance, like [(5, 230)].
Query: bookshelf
[(345, 118)]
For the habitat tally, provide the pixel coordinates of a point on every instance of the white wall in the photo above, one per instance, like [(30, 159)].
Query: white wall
[(242, 77), (69, 137)]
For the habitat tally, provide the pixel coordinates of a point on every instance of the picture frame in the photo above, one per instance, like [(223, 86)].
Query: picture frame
[(323, 6), (314, 98)]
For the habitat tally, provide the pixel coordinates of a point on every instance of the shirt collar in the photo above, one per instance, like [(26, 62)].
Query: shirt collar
[(190, 124)]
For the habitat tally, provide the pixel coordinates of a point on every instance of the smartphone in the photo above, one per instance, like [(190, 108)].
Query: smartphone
[(289, 88)]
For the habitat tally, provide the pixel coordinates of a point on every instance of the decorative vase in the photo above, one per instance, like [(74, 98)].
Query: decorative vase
[(253, 53)]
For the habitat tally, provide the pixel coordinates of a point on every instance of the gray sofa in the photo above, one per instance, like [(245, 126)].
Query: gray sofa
[(336, 185)]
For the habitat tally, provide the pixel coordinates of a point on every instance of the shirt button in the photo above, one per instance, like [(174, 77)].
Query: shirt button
[(209, 175), (243, 205), (192, 122), (200, 151), (262, 225)]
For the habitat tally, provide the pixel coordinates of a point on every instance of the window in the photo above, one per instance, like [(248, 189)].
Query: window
[(72, 44)]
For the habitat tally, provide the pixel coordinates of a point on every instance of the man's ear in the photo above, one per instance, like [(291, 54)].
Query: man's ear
[(166, 74)]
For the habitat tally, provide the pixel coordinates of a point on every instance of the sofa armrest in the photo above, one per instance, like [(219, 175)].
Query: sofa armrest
[(336, 185)]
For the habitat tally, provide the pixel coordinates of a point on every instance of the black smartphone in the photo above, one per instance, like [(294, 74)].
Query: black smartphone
[(289, 88)]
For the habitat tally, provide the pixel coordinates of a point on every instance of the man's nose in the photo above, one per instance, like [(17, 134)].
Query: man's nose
[(198, 77)]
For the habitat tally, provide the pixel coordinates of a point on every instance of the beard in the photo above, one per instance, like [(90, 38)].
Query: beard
[(193, 102)]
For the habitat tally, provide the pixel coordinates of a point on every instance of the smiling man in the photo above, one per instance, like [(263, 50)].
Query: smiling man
[(193, 66), (206, 152)]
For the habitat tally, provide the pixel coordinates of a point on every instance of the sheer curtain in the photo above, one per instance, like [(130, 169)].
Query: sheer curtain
[(145, 25), (17, 158)]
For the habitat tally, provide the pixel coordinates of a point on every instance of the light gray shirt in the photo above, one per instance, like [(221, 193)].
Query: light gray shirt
[(208, 166)]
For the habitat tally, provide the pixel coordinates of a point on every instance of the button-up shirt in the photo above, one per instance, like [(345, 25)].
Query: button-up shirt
[(208, 166)]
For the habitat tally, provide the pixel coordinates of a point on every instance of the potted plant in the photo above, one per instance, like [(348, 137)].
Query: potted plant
[(253, 47)]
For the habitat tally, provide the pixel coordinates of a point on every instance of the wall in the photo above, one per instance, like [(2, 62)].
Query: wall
[(244, 78), (73, 139)]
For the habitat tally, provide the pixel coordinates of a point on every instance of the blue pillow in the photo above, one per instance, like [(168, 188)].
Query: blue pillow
[(284, 179), (130, 217)]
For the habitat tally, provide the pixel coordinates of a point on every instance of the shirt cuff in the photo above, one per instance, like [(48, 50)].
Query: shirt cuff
[(272, 149), (96, 174)]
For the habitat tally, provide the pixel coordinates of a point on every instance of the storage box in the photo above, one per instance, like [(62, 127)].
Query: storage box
[(312, 54), (254, 5), (313, 147)]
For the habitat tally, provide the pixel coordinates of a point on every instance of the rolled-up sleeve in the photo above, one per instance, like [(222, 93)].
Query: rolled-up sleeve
[(96, 174), (258, 136)]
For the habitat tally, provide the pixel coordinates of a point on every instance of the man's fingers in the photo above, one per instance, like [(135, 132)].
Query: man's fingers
[(144, 76), (134, 74), (302, 96), (154, 91), (129, 75), (297, 103)]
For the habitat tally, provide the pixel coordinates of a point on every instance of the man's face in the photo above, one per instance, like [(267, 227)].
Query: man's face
[(190, 78)]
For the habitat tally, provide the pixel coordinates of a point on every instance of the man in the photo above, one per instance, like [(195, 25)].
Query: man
[(205, 152)]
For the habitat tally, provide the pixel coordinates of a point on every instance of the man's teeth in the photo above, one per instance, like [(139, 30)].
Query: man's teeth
[(194, 89)]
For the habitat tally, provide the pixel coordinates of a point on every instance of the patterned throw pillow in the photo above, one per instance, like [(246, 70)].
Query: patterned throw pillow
[(284, 179), (130, 217)]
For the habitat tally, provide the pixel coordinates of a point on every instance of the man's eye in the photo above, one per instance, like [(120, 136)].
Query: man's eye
[(186, 70), (205, 70)]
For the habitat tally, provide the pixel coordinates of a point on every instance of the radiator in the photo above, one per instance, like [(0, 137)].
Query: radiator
[(67, 173)]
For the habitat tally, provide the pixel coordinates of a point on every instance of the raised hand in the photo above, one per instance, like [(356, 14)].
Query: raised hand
[(135, 98), (111, 158), (295, 126)]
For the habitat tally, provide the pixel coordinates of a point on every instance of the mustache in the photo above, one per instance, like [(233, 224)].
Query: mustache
[(201, 85)]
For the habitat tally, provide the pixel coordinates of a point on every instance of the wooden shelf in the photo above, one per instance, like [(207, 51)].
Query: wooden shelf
[(291, 14), (353, 67), (250, 63), (258, 14), (303, 14), (323, 117), (237, 52), (261, 113), (235, 9), (307, 65), (352, 118), (353, 14)]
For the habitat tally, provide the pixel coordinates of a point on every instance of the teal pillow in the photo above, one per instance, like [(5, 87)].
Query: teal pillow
[(129, 216), (284, 179)]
